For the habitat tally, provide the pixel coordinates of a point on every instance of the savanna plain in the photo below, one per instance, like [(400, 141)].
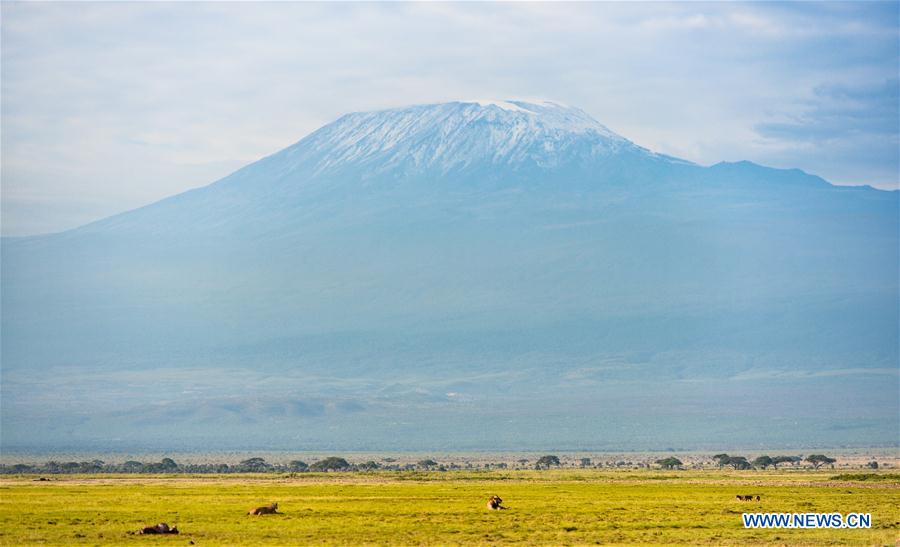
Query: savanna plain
[(555, 507)]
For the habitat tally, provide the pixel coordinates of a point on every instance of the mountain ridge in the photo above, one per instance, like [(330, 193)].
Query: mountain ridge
[(590, 288), (316, 154)]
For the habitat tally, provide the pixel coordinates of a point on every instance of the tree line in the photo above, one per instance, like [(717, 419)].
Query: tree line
[(763, 462), (722, 460), (334, 463), (250, 465)]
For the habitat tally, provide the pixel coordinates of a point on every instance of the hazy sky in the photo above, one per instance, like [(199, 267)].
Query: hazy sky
[(109, 106)]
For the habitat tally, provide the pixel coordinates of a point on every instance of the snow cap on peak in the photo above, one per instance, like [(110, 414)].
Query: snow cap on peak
[(504, 105), (457, 135)]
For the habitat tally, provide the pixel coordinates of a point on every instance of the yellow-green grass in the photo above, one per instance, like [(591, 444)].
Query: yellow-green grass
[(566, 507)]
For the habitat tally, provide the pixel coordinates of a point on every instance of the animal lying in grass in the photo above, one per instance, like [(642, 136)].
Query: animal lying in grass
[(161, 528), (495, 503), (271, 509)]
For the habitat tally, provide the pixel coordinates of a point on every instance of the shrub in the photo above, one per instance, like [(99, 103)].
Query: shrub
[(331, 464), (545, 462)]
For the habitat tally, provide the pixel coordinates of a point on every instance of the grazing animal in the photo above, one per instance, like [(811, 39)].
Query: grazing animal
[(270, 509), (746, 498), (495, 503), (757, 498), (161, 528)]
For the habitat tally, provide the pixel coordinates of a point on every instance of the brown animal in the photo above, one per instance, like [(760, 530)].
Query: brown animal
[(271, 509), (745, 498), (757, 498), (495, 503), (161, 528)]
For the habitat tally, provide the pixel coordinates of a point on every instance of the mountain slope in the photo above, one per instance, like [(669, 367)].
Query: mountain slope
[(442, 262), (434, 148)]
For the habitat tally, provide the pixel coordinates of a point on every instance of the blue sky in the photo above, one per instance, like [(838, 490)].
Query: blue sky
[(109, 106)]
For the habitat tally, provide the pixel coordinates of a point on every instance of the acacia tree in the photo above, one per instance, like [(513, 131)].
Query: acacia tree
[(545, 462), (669, 463), (782, 459), (721, 459), (738, 462), (818, 459), (298, 466), (330, 464), (168, 464), (763, 461), (368, 466), (255, 465), (132, 466)]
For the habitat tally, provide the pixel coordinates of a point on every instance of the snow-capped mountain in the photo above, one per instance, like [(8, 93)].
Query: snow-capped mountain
[(413, 151), (459, 136), (475, 274)]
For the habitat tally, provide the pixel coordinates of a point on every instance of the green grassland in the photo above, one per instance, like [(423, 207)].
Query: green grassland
[(563, 507)]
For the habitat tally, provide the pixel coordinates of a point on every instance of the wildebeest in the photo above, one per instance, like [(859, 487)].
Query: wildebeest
[(161, 528), (495, 503), (270, 509), (746, 497)]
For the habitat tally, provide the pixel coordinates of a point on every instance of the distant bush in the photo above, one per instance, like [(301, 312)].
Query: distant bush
[(885, 477), (330, 464), (817, 460), (368, 466), (298, 466), (132, 466), (546, 462), (785, 459), (254, 465), (669, 463), (738, 462)]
